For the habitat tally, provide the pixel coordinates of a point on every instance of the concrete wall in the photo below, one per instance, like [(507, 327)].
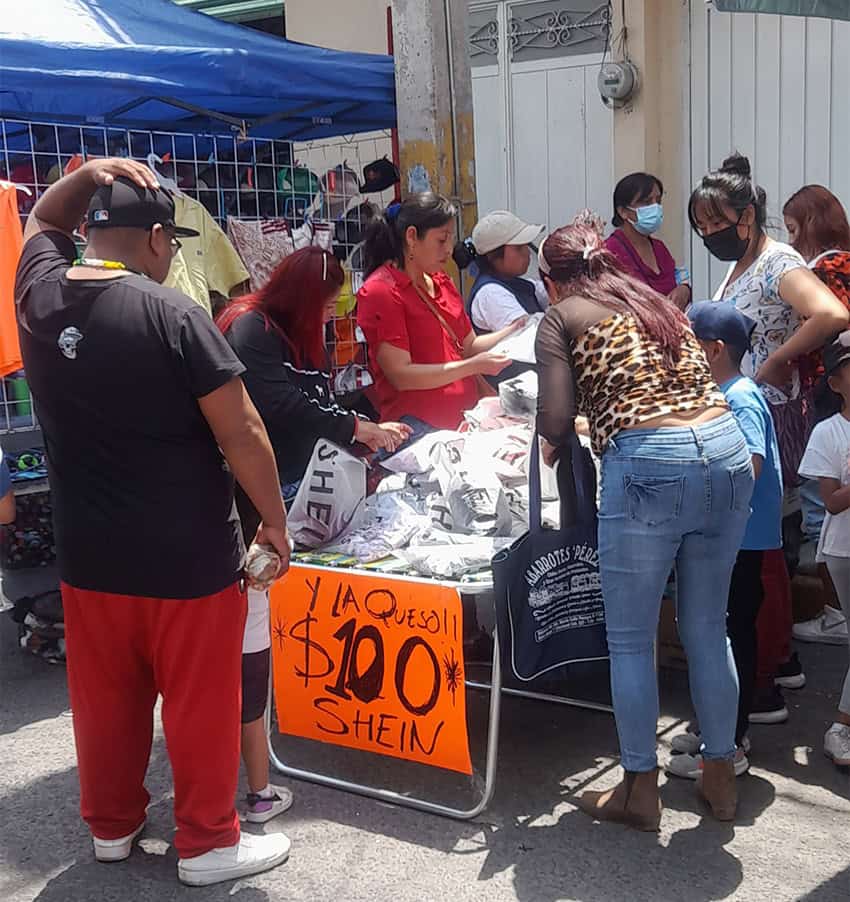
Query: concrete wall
[(359, 25), (652, 132)]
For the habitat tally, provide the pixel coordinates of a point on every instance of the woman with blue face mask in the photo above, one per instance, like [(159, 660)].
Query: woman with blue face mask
[(638, 215)]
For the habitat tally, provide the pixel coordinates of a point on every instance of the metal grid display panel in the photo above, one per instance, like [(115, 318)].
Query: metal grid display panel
[(253, 178)]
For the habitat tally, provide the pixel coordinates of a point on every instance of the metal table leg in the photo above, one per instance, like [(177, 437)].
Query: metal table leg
[(397, 798), (546, 697)]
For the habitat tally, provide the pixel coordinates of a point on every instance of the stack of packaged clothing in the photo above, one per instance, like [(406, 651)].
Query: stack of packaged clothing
[(451, 501)]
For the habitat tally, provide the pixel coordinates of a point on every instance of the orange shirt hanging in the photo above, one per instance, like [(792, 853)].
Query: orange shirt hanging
[(11, 242)]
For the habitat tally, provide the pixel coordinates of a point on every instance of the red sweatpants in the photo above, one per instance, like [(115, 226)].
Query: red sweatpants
[(122, 652), (775, 619)]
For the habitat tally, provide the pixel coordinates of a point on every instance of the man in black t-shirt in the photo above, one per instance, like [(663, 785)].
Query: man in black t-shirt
[(142, 410)]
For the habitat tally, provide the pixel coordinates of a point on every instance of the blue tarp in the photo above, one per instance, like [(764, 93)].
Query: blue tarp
[(151, 64)]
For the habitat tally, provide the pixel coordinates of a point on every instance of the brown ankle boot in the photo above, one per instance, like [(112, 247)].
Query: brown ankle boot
[(634, 802), (716, 784)]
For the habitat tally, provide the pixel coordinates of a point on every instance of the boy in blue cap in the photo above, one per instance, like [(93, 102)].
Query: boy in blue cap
[(724, 333)]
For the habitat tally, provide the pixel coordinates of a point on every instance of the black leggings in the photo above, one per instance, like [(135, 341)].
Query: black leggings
[(746, 594), (255, 684)]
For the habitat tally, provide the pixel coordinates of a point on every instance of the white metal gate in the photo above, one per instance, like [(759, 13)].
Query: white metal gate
[(543, 138), (776, 88)]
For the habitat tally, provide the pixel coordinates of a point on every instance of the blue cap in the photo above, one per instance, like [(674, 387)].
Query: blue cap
[(722, 321)]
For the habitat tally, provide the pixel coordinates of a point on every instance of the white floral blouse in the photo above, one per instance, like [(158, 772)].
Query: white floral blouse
[(756, 293)]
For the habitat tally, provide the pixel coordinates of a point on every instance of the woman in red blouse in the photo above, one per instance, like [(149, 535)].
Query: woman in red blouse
[(423, 353), (638, 214)]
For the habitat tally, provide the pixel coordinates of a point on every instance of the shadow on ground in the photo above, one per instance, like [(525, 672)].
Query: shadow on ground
[(345, 847)]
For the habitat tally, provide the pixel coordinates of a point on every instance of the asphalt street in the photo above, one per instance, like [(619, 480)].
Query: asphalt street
[(791, 840)]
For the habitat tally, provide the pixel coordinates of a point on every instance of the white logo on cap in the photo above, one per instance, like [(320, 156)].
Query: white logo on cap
[(69, 338), (101, 215)]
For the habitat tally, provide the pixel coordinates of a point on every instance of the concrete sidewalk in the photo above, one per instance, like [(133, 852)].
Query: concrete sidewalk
[(791, 840)]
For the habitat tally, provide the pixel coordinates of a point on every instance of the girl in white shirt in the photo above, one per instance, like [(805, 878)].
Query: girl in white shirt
[(827, 459)]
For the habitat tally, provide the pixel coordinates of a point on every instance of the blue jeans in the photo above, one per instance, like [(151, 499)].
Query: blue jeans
[(672, 497), (813, 509)]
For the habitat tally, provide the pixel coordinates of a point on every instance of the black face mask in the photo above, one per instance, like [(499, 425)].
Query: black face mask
[(726, 245)]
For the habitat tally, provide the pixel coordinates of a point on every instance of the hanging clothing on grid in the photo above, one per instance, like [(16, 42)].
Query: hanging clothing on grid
[(206, 263), (11, 241), (263, 243)]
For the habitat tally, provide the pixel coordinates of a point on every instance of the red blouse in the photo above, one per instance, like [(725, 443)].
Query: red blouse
[(389, 309)]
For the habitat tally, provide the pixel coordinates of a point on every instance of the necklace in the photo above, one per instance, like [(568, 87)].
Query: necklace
[(100, 264)]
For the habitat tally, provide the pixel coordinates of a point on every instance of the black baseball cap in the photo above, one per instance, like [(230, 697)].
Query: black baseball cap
[(836, 353), (126, 205), (721, 321)]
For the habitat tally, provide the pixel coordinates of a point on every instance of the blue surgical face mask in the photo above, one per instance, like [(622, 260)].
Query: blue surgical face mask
[(649, 218)]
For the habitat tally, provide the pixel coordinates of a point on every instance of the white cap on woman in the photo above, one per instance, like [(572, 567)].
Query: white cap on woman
[(503, 227)]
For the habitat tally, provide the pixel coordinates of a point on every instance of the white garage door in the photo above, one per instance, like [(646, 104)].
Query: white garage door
[(543, 139), (776, 88)]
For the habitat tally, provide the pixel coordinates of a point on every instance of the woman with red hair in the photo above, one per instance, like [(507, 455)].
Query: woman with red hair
[(278, 334), (818, 228), (675, 490)]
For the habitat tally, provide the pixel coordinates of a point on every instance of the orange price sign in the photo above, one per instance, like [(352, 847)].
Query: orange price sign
[(371, 663)]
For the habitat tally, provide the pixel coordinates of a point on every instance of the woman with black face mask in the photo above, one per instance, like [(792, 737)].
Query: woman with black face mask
[(768, 281), (795, 314)]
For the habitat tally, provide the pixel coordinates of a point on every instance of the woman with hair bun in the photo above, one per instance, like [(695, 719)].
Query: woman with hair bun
[(424, 356), (795, 314), (675, 490), (769, 282)]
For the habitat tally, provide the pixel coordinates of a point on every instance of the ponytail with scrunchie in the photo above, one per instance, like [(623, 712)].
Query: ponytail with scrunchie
[(464, 254)]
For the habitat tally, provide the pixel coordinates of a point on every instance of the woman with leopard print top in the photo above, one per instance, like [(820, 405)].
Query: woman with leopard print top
[(675, 490)]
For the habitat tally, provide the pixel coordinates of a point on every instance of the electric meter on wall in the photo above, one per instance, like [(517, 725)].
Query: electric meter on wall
[(617, 83)]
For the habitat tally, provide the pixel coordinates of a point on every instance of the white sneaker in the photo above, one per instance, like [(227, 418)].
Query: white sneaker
[(836, 744), (116, 849), (251, 855), (690, 766), (690, 743), (259, 809), (686, 743), (830, 628)]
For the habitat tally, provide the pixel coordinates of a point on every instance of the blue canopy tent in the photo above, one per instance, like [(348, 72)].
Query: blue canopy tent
[(150, 64)]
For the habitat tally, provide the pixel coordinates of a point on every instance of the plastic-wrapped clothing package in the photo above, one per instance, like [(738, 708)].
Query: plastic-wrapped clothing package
[(519, 395), (331, 496), (474, 495), (387, 524), (449, 555), (416, 458), (452, 499), (519, 346)]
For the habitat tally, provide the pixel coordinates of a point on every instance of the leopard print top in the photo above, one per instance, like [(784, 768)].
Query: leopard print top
[(621, 379)]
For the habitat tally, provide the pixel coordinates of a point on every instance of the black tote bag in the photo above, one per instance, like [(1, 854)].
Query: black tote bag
[(548, 593)]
